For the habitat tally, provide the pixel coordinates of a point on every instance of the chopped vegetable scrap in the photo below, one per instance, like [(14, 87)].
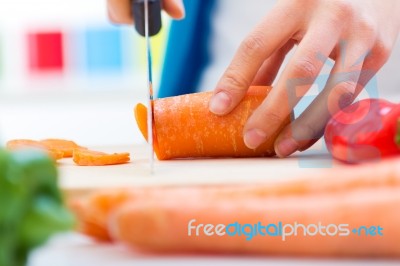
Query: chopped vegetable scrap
[(87, 157), (60, 148), (23, 144), (66, 146)]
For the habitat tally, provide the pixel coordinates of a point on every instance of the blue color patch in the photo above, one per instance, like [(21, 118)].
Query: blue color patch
[(104, 50)]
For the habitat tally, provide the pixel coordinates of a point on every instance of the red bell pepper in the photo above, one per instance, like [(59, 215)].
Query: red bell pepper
[(366, 130)]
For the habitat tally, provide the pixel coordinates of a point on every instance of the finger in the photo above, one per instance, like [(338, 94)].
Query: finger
[(348, 77), (270, 68), (295, 81), (119, 11), (174, 8), (266, 38), (373, 62)]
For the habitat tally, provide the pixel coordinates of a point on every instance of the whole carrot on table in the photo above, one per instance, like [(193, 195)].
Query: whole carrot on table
[(184, 127), (356, 210)]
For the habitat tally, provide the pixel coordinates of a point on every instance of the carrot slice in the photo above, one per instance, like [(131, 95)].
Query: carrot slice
[(140, 112), (20, 144), (184, 127), (65, 146), (87, 157), (157, 218)]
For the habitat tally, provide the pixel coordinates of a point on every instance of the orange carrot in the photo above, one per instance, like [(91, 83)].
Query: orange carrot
[(87, 157), (162, 225), (157, 218), (184, 127), (92, 214), (66, 146), (19, 144)]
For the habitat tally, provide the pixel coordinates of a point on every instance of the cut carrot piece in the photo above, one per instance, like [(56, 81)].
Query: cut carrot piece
[(17, 144), (184, 127), (87, 157), (20, 144), (65, 146), (141, 118), (92, 213), (157, 218)]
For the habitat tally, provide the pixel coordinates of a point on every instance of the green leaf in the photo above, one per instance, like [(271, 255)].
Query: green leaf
[(31, 207), (45, 218)]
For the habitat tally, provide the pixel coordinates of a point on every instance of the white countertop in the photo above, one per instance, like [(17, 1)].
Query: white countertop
[(77, 250)]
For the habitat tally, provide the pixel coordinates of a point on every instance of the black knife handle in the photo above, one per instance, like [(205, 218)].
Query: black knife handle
[(154, 7)]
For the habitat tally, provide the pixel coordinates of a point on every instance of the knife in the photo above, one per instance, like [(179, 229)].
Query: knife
[(147, 16)]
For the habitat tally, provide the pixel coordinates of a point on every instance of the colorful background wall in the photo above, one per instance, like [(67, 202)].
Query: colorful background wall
[(63, 65)]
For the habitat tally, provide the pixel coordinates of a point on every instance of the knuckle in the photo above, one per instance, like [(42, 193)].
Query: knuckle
[(382, 51), (235, 80), (302, 3), (253, 44), (342, 9), (305, 132), (344, 93), (368, 27), (311, 4), (305, 68), (273, 118)]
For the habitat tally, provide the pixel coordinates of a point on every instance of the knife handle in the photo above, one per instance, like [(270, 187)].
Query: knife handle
[(154, 7)]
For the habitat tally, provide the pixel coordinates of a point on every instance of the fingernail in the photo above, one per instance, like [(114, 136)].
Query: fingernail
[(219, 103), (286, 147), (254, 137)]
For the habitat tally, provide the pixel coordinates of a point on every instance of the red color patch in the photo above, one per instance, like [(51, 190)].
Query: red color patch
[(45, 50)]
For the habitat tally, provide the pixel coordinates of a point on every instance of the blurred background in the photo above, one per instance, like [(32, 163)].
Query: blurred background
[(66, 72)]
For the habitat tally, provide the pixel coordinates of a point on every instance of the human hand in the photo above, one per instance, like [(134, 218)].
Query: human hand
[(357, 34), (119, 11)]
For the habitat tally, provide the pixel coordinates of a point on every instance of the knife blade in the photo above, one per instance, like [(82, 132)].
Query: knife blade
[(147, 15)]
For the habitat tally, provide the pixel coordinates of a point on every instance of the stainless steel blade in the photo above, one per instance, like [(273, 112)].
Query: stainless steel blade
[(150, 115)]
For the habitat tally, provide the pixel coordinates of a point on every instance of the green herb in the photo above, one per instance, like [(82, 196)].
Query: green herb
[(31, 207)]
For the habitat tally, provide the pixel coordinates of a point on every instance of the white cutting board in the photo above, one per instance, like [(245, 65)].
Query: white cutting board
[(81, 179)]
